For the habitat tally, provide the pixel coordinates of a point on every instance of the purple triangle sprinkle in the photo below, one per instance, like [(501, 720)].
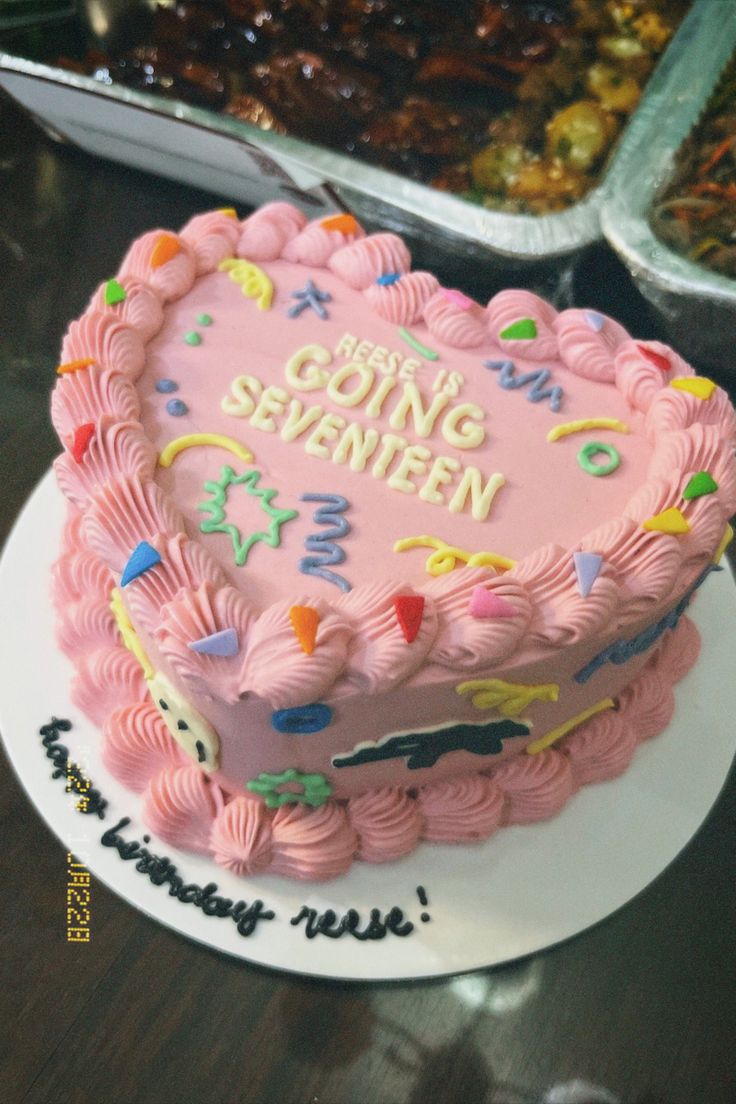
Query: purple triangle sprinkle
[(223, 643), (587, 568), (595, 320), (142, 559)]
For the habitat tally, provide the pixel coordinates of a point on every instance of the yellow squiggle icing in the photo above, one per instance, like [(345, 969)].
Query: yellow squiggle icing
[(563, 729), (194, 440), (510, 698), (129, 636), (253, 280), (581, 424), (446, 556)]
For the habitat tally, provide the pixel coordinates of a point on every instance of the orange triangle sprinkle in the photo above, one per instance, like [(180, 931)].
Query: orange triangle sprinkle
[(229, 211), (669, 521), (166, 247), (75, 365), (345, 224), (304, 622)]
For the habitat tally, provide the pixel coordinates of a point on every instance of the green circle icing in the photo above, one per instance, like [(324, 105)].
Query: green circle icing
[(588, 464)]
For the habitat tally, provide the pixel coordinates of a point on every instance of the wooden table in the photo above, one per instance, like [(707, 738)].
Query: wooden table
[(644, 1004)]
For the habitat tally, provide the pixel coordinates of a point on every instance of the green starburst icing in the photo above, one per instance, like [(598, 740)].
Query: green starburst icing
[(218, 523), (316, 788)]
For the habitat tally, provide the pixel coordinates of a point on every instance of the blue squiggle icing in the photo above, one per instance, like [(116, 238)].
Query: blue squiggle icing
[(623, 650), (302, 719), (537, 393), (323, 543)]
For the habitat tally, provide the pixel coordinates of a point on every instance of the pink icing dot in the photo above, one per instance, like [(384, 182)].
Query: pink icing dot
[(457, 298)]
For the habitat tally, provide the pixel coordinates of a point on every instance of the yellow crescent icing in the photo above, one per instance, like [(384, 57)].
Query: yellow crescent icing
[(510, 698), (445, 556), (563, 729), (194, 440), (700, 386), (128, 634), (567, 428), (253, 280), (725, 541)]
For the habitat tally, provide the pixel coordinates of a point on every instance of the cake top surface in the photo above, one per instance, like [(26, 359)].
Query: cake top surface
[(335, 432)]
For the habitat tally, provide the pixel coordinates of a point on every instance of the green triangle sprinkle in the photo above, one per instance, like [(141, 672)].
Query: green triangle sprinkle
[(702, 483), (114, 293), (523, 330)]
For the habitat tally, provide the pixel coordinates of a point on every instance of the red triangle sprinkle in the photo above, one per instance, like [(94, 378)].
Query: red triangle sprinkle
[(409, 612), (657, 359), (83, 434)]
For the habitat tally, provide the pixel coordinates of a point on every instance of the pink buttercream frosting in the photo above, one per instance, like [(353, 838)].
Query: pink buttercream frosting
[(461, 324), (116, 448), (461, 810), (106, 679), (241, 838), (312, 844), (180, 805), (388, 824), (172, 279), (585, 350), (359, 265), (111, 344), (516, 305), (265, 234), (121, 507), (80, 398), (141, 309), (403, 301), (212, 237), (600, 749), (379, 656), (137, 746), (315, 244), (534, 787)]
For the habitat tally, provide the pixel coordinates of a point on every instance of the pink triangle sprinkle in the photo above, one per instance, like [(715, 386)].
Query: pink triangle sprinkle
[(484, 603), (457, 298), (587, 568)]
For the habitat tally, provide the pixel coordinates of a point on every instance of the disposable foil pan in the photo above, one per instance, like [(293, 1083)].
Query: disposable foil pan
[(235, 159), (697, 306)]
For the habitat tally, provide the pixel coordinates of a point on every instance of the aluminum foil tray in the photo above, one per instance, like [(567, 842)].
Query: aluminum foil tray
[(237, 160), (697, 306)]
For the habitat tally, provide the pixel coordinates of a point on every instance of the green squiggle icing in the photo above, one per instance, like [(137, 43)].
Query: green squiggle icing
[(218, 523)]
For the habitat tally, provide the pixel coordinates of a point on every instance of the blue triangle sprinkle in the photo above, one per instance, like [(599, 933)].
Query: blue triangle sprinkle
[(587, 568), (595, 320), (142, 559), (223, 643)]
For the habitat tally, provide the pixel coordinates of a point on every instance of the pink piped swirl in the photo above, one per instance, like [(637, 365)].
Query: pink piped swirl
[(359, 265), (116, 448), (172, 279), (136, 746), (677, 653), (585, 351), (184, 565), (123, 512), (240, 837), (379, 656), (639, 379), (107, 679), (388, 824), (212, 237), (535, 787), (646, 565), (265, 233), (87, 623), (312, 844), (464, 642), (180, 806), (85, 396), (276, 666), (672, 410), (194, 614), (110, 343), (704, 515), (648, 703), (454, 323), (561, 614), (513, 305), (315, 244), (698, 448), (77, 575), (600, 749), (461, 810), (141, 308), (402, 303), (71, 533)]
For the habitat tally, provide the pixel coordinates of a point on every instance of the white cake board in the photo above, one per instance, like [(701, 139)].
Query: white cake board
[(527, 888)]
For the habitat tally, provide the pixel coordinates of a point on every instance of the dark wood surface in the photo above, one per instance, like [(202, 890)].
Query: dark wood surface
[(643, 1004)]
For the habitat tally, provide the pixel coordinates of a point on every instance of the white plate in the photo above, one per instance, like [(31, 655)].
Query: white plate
[(525, 889)]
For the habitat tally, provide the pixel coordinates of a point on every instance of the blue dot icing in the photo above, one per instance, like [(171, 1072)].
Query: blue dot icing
[(388, 279), (302, 719), (164, 386), (176, 408)]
